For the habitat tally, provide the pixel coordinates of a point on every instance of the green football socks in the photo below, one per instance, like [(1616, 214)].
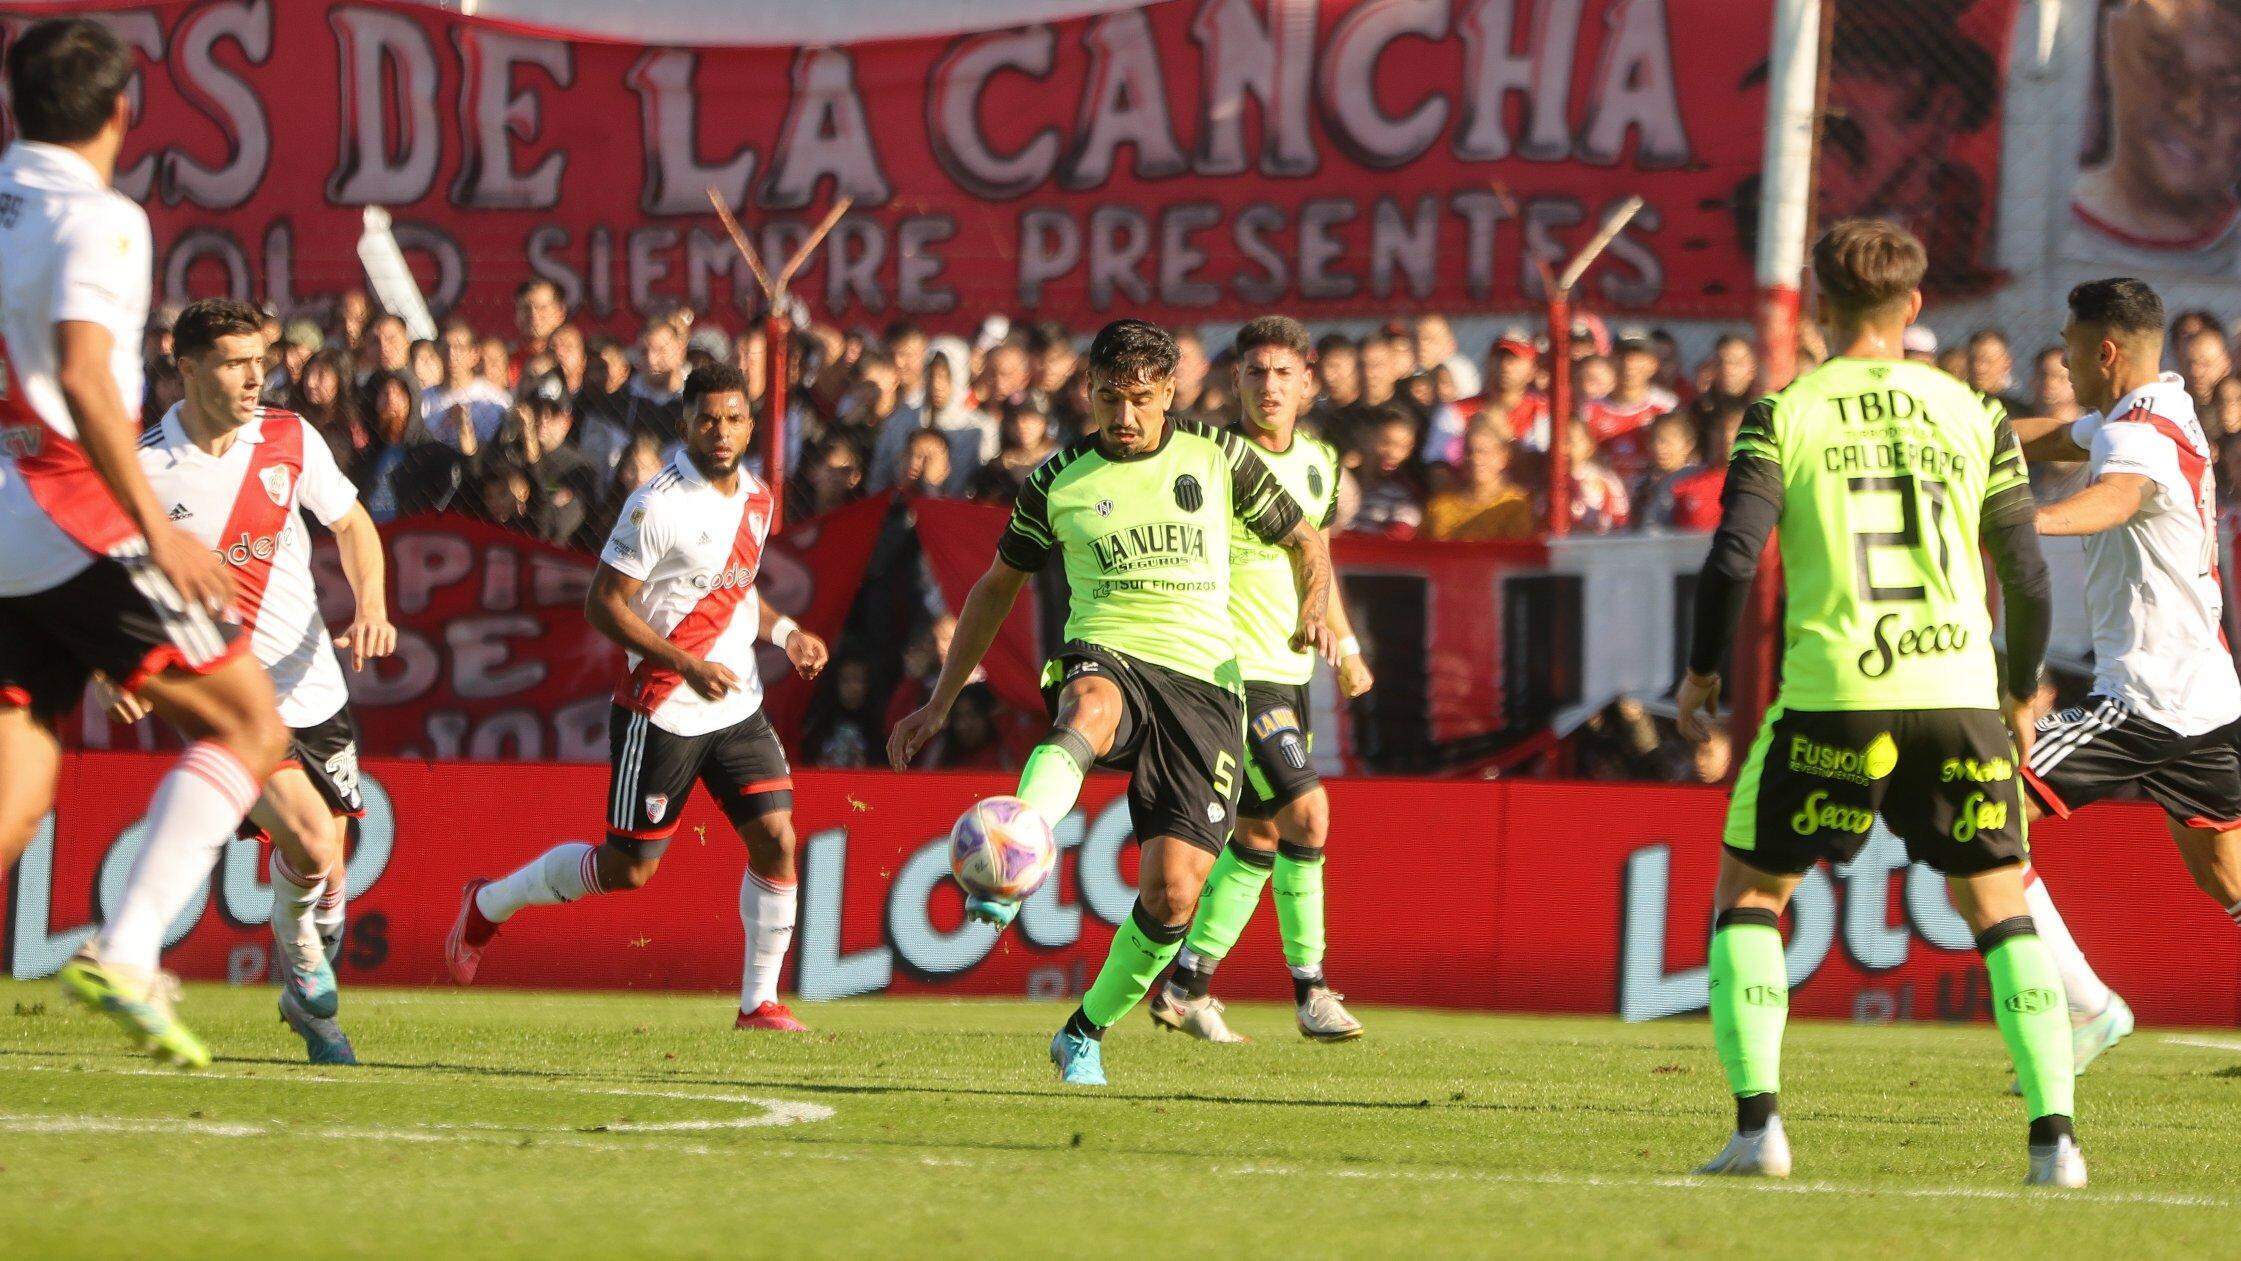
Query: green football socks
[(1299, 905), (1053, 775), (2034, 1020), (1141, 951), (1750, 1002), (1226, 904)]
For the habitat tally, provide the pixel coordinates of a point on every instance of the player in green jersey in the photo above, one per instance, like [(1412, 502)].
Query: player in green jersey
[(1886, 479), (1283, 812), (1140, 513)]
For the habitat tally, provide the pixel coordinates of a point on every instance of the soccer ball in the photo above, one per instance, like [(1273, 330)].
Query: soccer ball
[(1001, 849)]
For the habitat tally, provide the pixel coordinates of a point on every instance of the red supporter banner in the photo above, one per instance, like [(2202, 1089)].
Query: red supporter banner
[(1551, 897), (494, 659), (1183, 160), (958, 540)]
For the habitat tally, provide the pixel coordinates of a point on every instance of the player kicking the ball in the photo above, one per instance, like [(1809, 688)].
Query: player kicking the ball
[(676, 588), (93, 578), (1140, 511), (2165, 695), (1284, 814), (233, 474), (1885, 478)]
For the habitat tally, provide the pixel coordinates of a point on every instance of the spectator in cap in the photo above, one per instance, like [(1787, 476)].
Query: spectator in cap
[(1510, 400), (567, 479)]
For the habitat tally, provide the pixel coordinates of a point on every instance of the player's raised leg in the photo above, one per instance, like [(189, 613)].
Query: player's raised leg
[(234, 740)]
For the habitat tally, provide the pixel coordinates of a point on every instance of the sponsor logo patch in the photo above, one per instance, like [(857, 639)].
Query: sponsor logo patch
[(1954, 769), (1834, 761), (1820, 814), (1214, 812), (1979, 814)]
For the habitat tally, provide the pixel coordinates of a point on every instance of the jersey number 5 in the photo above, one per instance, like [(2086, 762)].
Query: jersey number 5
[(1225, 775), (1908, 536)]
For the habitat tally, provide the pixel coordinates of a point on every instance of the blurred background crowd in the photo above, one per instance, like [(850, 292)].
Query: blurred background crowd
[(545, 430)]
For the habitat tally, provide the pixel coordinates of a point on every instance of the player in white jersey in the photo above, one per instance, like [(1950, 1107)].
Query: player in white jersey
[(676, 588), (93, 579), (2165, 695), (234, 475)]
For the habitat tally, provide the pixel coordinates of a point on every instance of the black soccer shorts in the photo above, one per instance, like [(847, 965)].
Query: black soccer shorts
[(652, 771), (1279, 748), (1181, 740), (327, 753), (2089, 752), (1944, 780), (119, 616)]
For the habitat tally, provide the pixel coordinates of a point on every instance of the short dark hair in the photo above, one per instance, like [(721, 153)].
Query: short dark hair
[(1386, 414), (1335, 342), (205, 321), (713, 378), (64, 78), (1865, 264), (1132, 350), (2119, 303), (533, 284), (1280, 331)]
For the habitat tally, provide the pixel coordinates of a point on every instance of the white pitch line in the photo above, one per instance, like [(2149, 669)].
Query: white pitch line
[(2212, 1044), (1762, 1185), (773, 1112)]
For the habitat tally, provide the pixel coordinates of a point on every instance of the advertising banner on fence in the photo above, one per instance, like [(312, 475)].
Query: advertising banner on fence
[(1182, 160), (1496, 895)]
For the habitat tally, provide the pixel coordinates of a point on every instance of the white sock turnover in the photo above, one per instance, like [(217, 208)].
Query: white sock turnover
[(560, 874)]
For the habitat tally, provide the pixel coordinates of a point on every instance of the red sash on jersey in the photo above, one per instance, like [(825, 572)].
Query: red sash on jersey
[(56, 472), (651, 684), (262, 508)]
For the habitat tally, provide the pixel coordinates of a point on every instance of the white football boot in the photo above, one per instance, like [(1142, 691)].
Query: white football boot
[(2060, 1164), (1324, 1017), (1199, 1017), (1765, 1154)]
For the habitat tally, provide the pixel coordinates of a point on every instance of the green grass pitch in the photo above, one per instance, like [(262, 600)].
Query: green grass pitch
[(497, 1124)]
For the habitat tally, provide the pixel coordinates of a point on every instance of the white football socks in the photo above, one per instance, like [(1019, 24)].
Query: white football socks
[(193, 814), (2087, 995), (766, 911), (561, 874), (294, 899)]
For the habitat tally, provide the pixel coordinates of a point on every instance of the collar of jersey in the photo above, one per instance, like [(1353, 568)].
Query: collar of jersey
[(683, 463), (68, 163), (1097, 444), (2165, 392), (175, 430)]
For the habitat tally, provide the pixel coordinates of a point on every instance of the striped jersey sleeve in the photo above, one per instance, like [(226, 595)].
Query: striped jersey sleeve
[(1256, 497), (1028, 538)]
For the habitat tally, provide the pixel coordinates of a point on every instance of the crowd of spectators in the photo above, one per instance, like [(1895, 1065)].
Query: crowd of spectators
[(548, 429)]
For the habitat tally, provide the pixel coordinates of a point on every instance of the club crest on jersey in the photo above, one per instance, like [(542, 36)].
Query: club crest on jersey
[(1104, 507), (657, 805), (275, 481), (756, 521), (1314, 481), (1188, 494)]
